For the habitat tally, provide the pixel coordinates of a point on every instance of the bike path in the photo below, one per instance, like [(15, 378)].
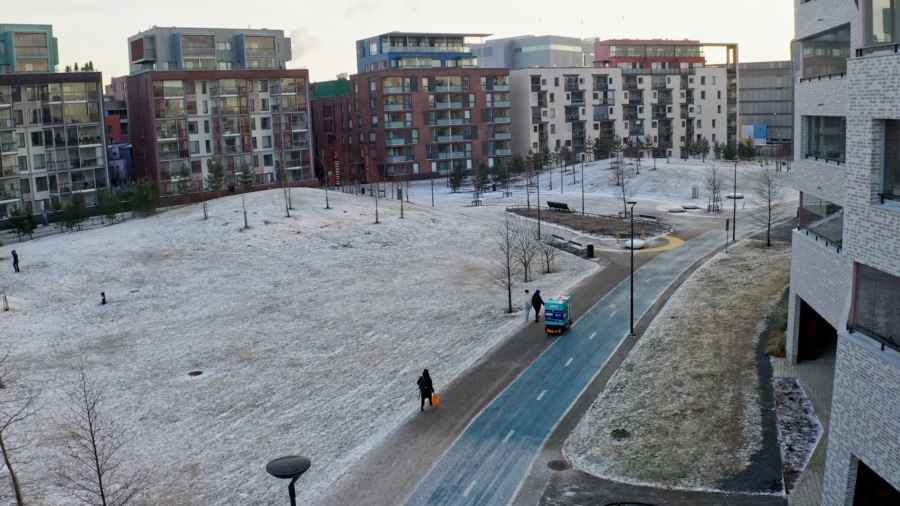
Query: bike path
[(491, 457)]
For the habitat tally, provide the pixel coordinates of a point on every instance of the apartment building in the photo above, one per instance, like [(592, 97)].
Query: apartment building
[(535, 51), (767, 99), (52, 143), (555, 107), (675, 73), (845, 265), (198, 94), (181, 48), (427, 107), (332, 115)]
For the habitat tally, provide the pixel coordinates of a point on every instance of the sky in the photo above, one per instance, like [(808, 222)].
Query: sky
[(323, 33)]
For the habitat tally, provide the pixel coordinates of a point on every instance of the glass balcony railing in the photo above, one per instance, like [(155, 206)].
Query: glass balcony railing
[(397, 124), (500, 135), (425, 49), (447, 105), (504, 103)]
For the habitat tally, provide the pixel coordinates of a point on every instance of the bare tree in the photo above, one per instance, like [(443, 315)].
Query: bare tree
[(246, 179), (503, 259), (547, 250), (281, 175), (714, 182), (525, 247), (770, 194), (93, 444), (625, 186), (17, 404), (185, 184)]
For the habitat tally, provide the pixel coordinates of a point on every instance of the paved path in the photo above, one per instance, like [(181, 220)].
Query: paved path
[(491, 457)]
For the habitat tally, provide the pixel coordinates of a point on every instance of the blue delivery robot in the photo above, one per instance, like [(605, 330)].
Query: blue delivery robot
[(558, 314)]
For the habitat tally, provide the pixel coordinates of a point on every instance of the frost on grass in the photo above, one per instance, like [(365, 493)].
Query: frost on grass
[(310, 332), (683, 410), (799, 429)]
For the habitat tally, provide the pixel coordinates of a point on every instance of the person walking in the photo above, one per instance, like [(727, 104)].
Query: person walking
[(527, 306), (15, 260), (537, 302), (425, 389)]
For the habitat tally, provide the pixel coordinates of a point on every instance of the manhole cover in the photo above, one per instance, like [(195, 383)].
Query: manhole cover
[(620, 434), (195, 373), (558, 465)]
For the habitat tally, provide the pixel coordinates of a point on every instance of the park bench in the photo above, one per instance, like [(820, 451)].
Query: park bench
[(646, 218), (558, 240), (558, 206), (577, 246), (568, 245), (476, 202)]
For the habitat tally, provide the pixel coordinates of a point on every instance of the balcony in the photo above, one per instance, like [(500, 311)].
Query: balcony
[(835, 158), (601, 86), (578, 134), (659, 115), (501, 87), (577, 101), (426, 49), (253, 53), (198, 51), (397, 124), (664, 100), (658, 86), (399, 158), (396, 142), (542, 103), (543, 135), (535, 88), (601, 117), (631, 116), (397, 107), (8, 147), (572, 87), (606, 101), (500, 135), (450, 121), (451, 88), (448, 138), (453, 154), (684, 115), (447, 105), (498, 152), (498, 103), (498, 119), (572, 117), (395, 89), (9, 194), (631, 85), (636, 100)]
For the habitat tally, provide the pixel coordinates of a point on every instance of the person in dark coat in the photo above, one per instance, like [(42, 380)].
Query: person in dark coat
[(15, 260), (426, 389), (537, 302)]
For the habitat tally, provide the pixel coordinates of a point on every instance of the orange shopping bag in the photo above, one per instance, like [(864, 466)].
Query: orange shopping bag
[(434, 399)]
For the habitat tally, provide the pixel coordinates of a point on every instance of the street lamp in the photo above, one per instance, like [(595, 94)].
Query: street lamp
[(632, 202), (582, 185), (291, 467), (734, 196)]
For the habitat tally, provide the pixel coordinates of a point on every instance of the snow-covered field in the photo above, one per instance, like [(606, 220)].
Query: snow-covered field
[(683, 410), (799, 429), (310, 332), (669, 183)]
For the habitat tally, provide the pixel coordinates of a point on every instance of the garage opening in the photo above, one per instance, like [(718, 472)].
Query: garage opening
[(873, 489), (816, 338)]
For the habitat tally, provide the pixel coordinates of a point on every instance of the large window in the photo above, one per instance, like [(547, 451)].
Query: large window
[(878, 303), (827, 52), (881, 22), (826, 137), (822, 217), (31, 44), (890, 189)]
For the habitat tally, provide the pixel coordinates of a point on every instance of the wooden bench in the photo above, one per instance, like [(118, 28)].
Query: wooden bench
[(646, 218), (558, 206)]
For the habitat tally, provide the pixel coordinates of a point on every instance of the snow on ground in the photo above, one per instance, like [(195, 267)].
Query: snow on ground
[(688, 393), (669, 183), (310, 331), (799, 429)]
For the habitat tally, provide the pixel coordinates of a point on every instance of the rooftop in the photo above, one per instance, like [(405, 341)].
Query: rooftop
[(431, 34)]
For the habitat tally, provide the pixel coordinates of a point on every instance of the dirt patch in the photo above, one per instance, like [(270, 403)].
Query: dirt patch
[(689, 392), (592, 224)]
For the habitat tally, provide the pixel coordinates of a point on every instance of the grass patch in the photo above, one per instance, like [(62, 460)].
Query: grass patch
[(777, 340)]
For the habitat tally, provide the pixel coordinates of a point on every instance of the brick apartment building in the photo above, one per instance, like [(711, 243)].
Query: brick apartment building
[(331, 107), (422, 106), (197, 94), (845, 264), (52, 144)]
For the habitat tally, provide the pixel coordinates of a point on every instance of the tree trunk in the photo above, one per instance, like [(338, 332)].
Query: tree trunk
[(20, 501)]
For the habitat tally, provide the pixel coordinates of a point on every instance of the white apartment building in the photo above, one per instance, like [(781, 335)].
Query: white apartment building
[(845, 267), (555, 107)]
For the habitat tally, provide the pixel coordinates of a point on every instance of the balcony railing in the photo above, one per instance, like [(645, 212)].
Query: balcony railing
[(499, 152), (535, 87), (259, 52), (501, 87), (500, 135), (395, 89), (400, 158), (450, 121), (636, 100), (9, 194), (572, 87), (542, 103), (606, 101), (447, 105), (498, 103), (451, 87), (601, 117), (426, 49), (397, 107), (397, 124), (572, 117), (453, 154), (498, 119), (448, 138), (664, 100), (827, 158), (397, 142), (888, 341), (836, 75), (576, 101)]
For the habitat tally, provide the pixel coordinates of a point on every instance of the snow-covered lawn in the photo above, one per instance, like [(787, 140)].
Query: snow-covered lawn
[(310, 332), (669, 183), (683, 410)]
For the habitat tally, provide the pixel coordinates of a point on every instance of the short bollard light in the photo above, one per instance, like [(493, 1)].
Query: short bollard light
[(291, 467)]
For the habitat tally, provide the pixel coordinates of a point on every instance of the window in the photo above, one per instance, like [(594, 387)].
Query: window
[(714, 80), (699, 109), (223, 46), (268, 160), (263, 85), (826, 137), (206, 126), (881, 22), (265, 123), (552, 113), (719, 109), (552, 98), (253, 143), (374, 121), (37, 139), (640, 80), (208, 147), (267, 142), (699, 123), (225, 65), (719, 94), (252, 124), (552, 129), (702, 95), (372, 137), (255, 161), (38, 161), (826, 53), (205, 107), (890, 187), (373, 48), (40, 184), (714, 123), (192, 127), (555, 81), (702, 80), (372, 85), (195, 147), (822, 217), (877, 297)]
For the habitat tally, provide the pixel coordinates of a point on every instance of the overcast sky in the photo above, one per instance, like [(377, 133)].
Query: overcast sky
[(324, 32)]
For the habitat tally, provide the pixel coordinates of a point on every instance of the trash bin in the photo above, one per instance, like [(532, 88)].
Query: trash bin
[(362, 191), (493, 187), (589, 252)]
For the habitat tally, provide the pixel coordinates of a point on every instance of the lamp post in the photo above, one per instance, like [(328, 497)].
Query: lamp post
[(632, 202), (582, 186), (326, 190), (539, 200), (291, 467), (734, 198)]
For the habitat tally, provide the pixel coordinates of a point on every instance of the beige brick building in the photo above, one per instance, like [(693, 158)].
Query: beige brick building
[(845, 268)]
